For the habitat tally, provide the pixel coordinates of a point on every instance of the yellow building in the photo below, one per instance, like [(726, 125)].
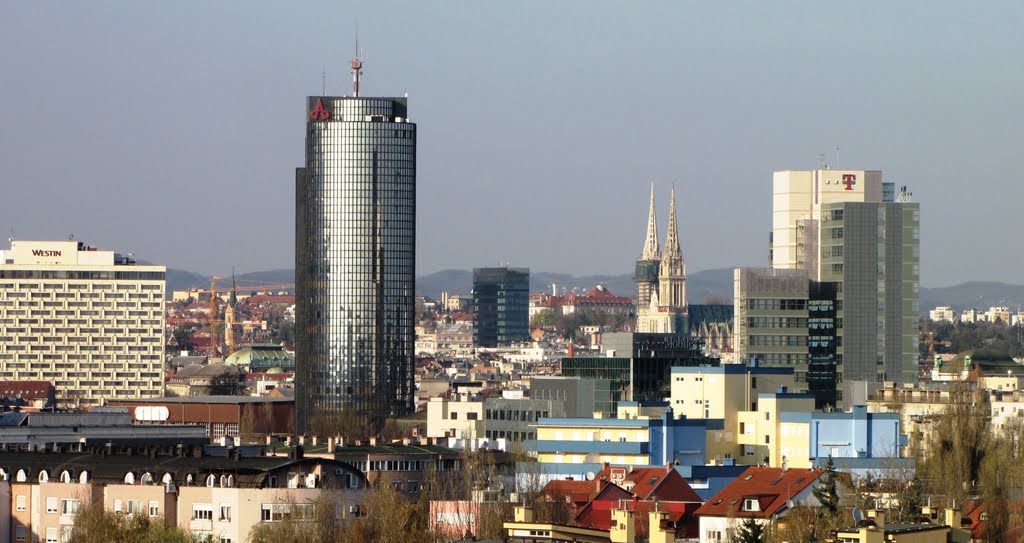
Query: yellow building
[(759, 431), (721, 393), (90, 321)]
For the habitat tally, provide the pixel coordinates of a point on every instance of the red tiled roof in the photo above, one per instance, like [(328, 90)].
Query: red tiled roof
[(25, 389), (663, 483), (579, 492), (771, 487)]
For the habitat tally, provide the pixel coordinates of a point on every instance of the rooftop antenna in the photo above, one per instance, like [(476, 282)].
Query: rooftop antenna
[(357, 67), (821, 161), (323, 81), (836, 163)]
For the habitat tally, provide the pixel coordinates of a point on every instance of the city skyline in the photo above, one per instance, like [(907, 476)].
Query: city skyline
[(713, 98)]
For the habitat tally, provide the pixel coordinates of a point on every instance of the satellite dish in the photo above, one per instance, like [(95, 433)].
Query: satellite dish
[(858, 515), (789, 504), (590, 476)]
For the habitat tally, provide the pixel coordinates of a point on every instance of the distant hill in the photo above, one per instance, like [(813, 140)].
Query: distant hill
[(183, 279), (973, 294), (699, 286)]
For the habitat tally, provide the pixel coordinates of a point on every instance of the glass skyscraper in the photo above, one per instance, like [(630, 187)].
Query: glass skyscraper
[(501, 306), (355, 247)]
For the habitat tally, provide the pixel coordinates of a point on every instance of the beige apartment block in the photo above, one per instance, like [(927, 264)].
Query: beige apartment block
[(90, 321)]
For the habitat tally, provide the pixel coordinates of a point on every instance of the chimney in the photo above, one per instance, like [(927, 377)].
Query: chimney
[(877, 515), (952, 516), (330, 444), (623, 527), (314, 438), (373, 442), (658, 533), (523, 513), (270, 439)]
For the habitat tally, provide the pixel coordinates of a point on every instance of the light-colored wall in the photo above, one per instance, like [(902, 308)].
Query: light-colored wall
[(128, 325)]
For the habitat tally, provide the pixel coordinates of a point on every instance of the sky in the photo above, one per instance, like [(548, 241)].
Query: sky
[(172, 130)]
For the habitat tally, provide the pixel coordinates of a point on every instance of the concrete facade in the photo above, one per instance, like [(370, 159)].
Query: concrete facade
[(89, 320)]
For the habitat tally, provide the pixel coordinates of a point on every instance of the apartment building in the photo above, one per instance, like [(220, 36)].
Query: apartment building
[(90, 320), (220, 498), (721, 393)]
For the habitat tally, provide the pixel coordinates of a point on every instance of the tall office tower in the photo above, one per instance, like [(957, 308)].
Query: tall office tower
[(91, 322), (871, 251), (665, 311), (871, 260), (647, 266), (355, 248), (501, 306)]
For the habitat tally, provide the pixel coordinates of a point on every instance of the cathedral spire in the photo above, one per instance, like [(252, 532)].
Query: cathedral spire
[(672, 236), (652, 250)]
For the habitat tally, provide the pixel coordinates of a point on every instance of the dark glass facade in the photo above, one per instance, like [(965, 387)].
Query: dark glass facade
[(355, 260), (821, 344), (501, 306), (639, 365)]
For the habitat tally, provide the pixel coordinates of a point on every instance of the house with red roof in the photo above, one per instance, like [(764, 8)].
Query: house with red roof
[(640, 490), (761, 493)]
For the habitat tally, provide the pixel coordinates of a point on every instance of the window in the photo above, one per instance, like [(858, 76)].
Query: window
[(751, 504), (134, 507), (19, 503), (202, 511), (225, 539), (225, 511), (51, 505), (154, 508), (69, 507), (19, 532), (118, 507), (51, 535)]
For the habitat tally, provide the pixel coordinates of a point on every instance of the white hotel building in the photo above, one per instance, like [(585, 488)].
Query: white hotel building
[(89, 321)]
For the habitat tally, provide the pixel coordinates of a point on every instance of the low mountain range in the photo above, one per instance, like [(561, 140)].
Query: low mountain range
[(702, 286)]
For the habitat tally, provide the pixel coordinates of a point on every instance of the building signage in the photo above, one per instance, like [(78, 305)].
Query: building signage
[(39, 252), (319, 113), (849, 180)]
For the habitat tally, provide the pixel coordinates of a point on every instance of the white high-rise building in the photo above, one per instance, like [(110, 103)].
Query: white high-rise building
[(91, 322)]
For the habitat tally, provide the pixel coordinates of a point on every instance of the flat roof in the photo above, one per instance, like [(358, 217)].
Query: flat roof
[(732, 369), (203, 399)]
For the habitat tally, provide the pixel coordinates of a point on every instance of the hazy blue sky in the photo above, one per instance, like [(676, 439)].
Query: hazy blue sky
[(173, 130)]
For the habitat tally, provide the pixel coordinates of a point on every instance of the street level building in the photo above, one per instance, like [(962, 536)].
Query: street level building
[(501, 306), (355, 258), (91, 321)]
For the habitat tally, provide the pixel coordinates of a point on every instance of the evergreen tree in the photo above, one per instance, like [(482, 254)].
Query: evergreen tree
[(826, 491), (751, 531)]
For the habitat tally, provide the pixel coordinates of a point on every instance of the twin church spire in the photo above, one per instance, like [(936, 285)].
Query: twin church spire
[(661, 276)]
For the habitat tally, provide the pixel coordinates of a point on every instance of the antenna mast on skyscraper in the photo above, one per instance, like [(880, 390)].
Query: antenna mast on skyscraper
[(357, 68)]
